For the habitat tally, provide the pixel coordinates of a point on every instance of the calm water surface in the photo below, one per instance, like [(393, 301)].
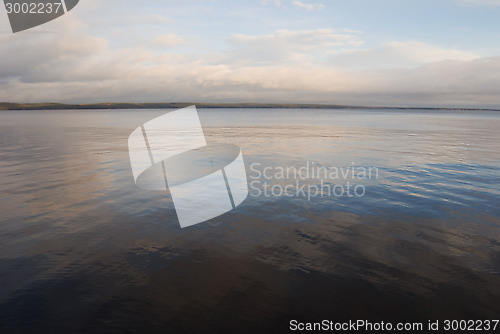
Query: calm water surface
[(83, 250)]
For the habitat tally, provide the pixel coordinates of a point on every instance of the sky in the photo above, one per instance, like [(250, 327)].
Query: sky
[(356, 52)]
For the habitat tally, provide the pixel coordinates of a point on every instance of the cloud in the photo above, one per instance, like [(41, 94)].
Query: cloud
[(453, 83), (398, 54), (137, 75), (291, 46), (56, 55), (274, 2), (308, 7), (310, 66), (169, 40)]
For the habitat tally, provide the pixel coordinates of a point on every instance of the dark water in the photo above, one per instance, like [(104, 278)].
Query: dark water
[(83, 250)]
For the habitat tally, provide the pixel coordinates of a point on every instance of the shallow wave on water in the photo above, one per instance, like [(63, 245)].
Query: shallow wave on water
[(82, 250)]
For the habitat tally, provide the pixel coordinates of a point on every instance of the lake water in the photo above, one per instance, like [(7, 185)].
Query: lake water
[(84, 250)]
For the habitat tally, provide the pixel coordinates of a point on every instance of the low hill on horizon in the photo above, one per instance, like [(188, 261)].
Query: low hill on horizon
[(177, 105)]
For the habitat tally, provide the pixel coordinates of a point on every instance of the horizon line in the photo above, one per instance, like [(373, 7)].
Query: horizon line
[(215, 105)]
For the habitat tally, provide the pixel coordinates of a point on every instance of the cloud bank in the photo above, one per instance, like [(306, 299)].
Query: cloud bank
[(304, 66)]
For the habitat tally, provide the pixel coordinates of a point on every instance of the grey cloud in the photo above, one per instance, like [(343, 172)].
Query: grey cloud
[(75, 67), (285, 45), (398, 55)]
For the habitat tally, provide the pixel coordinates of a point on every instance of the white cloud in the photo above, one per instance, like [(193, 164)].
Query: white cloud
[(169, 40), (287, 45), (273, 2), (399, 55), (137, 76), (308, 7), (283, 66)]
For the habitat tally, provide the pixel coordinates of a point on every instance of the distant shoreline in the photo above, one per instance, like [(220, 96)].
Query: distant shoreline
[(176, 105)]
